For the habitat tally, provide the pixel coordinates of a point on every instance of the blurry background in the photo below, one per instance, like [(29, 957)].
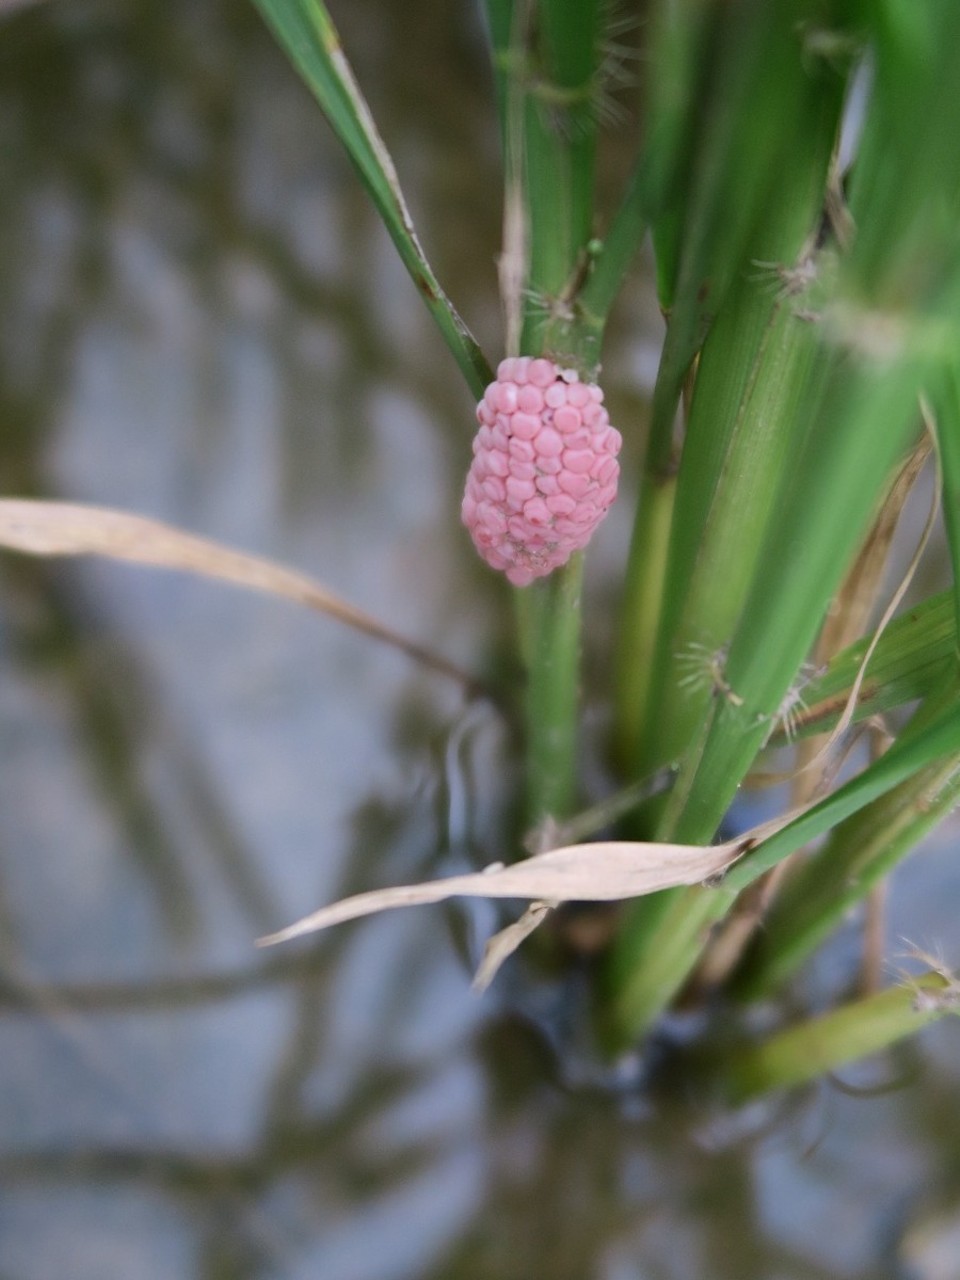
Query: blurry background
[(202, 321)]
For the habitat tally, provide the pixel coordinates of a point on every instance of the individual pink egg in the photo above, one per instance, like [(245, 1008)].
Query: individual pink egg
[(561, 504), (536, 511), (530, 399), (496, 463), (570, 482), (522, 449), (567, 419), (541, 373), (522, 470), (549, 443), (520, 489), (525, 425), (579, 460), (508, 393)]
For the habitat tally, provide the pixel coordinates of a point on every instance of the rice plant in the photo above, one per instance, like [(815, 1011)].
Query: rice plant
[(797, 172)]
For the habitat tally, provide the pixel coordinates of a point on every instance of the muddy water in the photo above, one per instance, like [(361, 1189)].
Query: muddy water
[(202, 321)]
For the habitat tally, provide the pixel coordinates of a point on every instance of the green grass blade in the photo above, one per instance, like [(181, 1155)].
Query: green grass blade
[(676, 51), (948, 443), (306, 32), (908, 755), (754, 89), (645, 972), (743, 436), (752, 191), (911, 659), (809, 1051), (859, 853), (887, 325), (612, 259), (895, 302), (824, 507), (904, 191)]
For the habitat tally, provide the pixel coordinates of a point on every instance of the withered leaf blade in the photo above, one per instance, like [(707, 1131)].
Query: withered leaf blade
[(42, 528), (505, 942), (602, 872)]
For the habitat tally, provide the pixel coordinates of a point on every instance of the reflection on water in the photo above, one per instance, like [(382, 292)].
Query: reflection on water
[(202, 321)]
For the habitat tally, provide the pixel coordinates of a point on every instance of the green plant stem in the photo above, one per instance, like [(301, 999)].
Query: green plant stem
[(948, 443), (559, 151), (500, 19), (640, 615), (809, 1051), (620, 246), (571, 53), (550, 621)]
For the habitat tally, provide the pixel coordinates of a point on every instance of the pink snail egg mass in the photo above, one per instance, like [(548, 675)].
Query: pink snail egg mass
[(544, 472)]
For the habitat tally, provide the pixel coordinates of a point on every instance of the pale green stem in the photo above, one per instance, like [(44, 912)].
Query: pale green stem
[(550, 611), (807, 1052)]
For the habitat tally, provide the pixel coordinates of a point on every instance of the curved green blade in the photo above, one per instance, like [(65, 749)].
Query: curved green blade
[(306, 32)]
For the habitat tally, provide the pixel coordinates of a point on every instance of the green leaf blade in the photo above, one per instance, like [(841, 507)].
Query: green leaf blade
[(304, 29)]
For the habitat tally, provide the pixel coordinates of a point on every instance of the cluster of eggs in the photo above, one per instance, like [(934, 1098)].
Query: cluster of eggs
[(544, 469)]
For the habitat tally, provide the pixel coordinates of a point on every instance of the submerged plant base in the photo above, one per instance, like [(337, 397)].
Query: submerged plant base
[(545, 468)]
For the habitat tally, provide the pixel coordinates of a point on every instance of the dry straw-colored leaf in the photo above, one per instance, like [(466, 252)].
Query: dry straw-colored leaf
[(42, 528), (602, 872), (907, 478), (505, 942)]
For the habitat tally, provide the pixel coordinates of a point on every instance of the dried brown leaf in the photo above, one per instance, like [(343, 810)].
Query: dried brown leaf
[(851, 610), (602, 872), (42, 528), (505, 942)]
